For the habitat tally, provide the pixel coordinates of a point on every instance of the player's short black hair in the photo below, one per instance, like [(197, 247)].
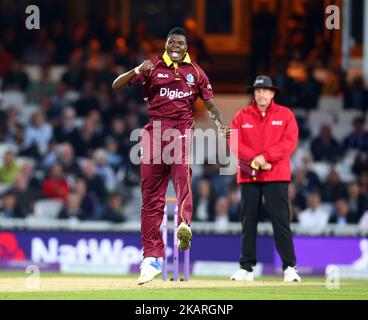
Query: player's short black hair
[(178, 30)]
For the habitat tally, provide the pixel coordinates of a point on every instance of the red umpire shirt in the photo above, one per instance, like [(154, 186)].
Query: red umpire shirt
[(170, 91), (274, 135)]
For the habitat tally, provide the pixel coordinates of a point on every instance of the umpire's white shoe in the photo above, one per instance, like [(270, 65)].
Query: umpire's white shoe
[(150, 268), (291, 275), (184, 236), (243, 275)]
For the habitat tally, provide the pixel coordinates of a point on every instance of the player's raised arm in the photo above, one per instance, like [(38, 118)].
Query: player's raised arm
[(215, 115), (123, 80)]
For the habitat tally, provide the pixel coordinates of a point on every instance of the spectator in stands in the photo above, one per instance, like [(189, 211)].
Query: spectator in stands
[(341, 214), (356, 96), (305, 181), (89, 202), (314, 217), (203, 202), (87, 139), (95, 117), (220, 184), (16, 136), (358, 139), (119, 106), (113, 157), (297, 202), (325, 147), (95, 183), (105, 103), (309, 92), (51, 156), (361, 163), (221, 214), (122, 55), (26, 196), (58, 102), (72, 208), (11, 119), (67, 160), (108, 73), (113, 211), (109, 34), (75, 74), (304, 129), (59, 36), (10, 169), (55, 185), (8, 208), (45, 86), (16, 78), (287, 85), (37, 136), (80, 36), (6, 60), (363, 183), (88, 99), (105, 171), (134, 109), (357, 201), (68, 130), (93, 56), (301, 158), (27, 171), (120, 133), (333, 189)]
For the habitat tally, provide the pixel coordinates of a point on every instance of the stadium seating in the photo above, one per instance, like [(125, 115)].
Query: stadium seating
[(12, 98), (47, 209)]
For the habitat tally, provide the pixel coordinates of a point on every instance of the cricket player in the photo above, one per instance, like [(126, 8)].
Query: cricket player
[(172, 82)]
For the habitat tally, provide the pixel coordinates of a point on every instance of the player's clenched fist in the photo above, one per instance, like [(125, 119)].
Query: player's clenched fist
[(146, 67)]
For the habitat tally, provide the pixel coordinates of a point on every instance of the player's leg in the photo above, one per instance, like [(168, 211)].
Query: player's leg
[(277, 206), (249, 208), (181, 175), (154, 185), (155, 179)]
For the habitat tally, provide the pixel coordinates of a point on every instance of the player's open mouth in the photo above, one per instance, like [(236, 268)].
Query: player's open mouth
[(175, 54)]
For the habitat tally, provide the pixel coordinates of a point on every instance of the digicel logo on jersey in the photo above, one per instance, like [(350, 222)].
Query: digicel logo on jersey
[(174, 94)]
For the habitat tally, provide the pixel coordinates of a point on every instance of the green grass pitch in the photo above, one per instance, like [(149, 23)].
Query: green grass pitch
[(15, 285)]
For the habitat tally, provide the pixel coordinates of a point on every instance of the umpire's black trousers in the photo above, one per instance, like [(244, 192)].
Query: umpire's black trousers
[(277, 206)]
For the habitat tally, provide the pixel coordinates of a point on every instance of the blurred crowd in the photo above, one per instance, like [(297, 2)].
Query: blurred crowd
[(75, 145)]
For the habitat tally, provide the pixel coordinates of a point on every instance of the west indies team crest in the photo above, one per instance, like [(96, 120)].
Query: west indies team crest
[(190, 80)]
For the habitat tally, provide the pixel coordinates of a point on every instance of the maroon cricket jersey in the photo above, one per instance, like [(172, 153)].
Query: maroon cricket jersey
[(171, 89)]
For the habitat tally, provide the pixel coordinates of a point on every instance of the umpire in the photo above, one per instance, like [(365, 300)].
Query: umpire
[(267, 135)]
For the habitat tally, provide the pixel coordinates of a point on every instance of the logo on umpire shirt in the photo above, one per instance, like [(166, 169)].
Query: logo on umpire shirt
[(190, 80)]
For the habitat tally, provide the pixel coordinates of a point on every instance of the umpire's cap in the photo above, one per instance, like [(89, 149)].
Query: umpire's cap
[(264, 82)]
